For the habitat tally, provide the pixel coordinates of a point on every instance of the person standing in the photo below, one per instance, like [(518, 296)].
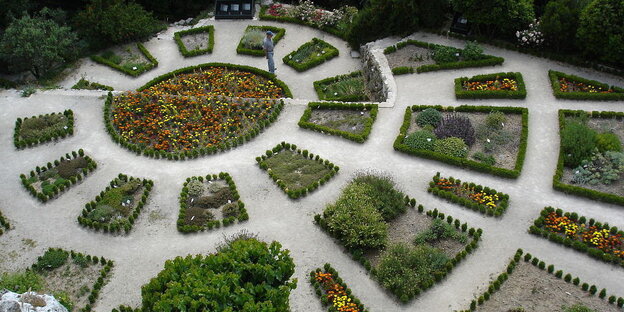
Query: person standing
[(267, 46)]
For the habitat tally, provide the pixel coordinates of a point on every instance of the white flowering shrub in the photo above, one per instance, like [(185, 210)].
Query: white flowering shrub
[(306, 11), (531, 37)]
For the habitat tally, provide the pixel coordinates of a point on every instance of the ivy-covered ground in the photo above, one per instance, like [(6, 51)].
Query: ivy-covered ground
[(140, 255)]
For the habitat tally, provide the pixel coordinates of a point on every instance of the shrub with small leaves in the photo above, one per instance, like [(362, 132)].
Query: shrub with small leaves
[(451, 146), (472, 51), (421, 139), (608, 142), (195, 188), (495, 120), (429, 116)]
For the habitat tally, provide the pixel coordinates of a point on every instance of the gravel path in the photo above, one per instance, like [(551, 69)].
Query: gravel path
[(140, 255)]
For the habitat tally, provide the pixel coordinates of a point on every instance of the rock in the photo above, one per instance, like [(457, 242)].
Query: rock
[(9, 306), (45, 303)]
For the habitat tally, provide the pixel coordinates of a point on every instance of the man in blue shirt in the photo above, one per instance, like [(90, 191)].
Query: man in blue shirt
[(267, 46)]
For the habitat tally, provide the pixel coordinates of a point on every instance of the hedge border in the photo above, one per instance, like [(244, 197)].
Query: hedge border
[(22, 143), (279, 34), (177, 37), (536, 229), (356, 137), (315, 60), (117, 225), (320, 291), (153, 62), (495, 285), (284, 19), (4, 224), (294, 194), (95, 85), (521, 93), (92, 165), (318, 86), (554, 76), (464, 162), (502, 206), (358, 254), (577, 190), (488, 60), (99, 283), (243, 215)]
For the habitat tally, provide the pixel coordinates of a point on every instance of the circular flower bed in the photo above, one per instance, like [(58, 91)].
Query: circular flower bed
[(195, 111)]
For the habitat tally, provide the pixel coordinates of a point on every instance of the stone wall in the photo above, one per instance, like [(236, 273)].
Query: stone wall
[(378, 75)]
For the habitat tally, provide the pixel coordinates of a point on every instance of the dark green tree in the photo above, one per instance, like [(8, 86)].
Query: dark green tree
[(497, 17), (12, 9), (601, 31), (560, 23)]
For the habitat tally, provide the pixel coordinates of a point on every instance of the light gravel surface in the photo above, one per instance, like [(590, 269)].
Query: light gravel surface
[(140, 255)]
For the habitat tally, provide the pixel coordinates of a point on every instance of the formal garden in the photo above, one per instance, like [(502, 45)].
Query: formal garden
[(406, 155)]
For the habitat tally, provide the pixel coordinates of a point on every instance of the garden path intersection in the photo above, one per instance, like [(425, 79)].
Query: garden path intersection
[(140, 255)]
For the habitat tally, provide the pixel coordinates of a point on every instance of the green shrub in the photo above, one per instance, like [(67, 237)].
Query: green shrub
[(577, 143), (21, 282), (601, 29), (451, 146), (195, 188), (383, 195), (421, 139), (485, 158), (495, 120), (440, 230), (472, 51), (429, 116), (578, 308), (600, 168), (52, 259), (608, 142), (444, 54)]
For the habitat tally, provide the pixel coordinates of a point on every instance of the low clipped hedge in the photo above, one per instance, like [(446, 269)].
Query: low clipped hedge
[(357, 137), (279, 34), (84, 84), (460, 93), (67, 131), (496, 284), (285, 19), (592, 251), (484, 209), (618, 95), (578, 190), (488, 60), (321, 291), (92, 165), (117, 225), (294, 194), (319, 84), (315, 60), (359, 255), (153, 62), (242, 216), (464, 162), (4, 224), (177, 37)]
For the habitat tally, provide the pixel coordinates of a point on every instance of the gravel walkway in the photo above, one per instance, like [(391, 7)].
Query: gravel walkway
[(140, 255)]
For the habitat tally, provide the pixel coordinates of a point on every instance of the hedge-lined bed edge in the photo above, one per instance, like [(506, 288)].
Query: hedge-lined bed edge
[(4, 224), (357, 137), (318, 86), (618, 95), (22, 143), (315, 60), (320, 292), (488, 60), (134, 73), (450, 196), (358, 255), (521, 93), (294, 194), (279, 34), (243, 215), (581, 246), (285, 19), (577, 190), (464, 162), (496, 284), (185, 52), (94, 85), (117, 225), (92, 165)]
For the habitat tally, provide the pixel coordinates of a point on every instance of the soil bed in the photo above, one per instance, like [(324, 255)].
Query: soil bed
[(410, 56), (196, 41), (344, 120)]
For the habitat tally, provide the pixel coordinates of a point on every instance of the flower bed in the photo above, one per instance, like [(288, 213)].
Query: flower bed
[(251, 42), (591, 162), (454, 58), (129, 67), (43, 128), (84, 84), (295, 171), (344, 88), (202, 48), (333, 292), (118, 206), (454, 142), (4, 224), (476, 197), (491, 86), (356, 115), (310, 54), (48, 181), (585, 289), (214, 192), (195, 111), (598, 240), (572, 87), (404, 257)]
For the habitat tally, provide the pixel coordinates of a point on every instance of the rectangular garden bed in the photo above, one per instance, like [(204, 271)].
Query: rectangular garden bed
[(495, 137), (295, 171), (310, 54), (195, 41), (251, 42), (350, 121), (130, 60), (333, 292), (344, 88), (209, 202), (43, 128), (491, 86), (566, 86)]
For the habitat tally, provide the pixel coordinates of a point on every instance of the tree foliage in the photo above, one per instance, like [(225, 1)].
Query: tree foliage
[(601, 31), (560, 22), (504, 17)]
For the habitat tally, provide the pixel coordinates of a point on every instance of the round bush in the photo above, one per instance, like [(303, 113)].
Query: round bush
[(421, 139), (451, 146), (608, 142), (429, 116), (495, 120), (455, 125), (195, 188)]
